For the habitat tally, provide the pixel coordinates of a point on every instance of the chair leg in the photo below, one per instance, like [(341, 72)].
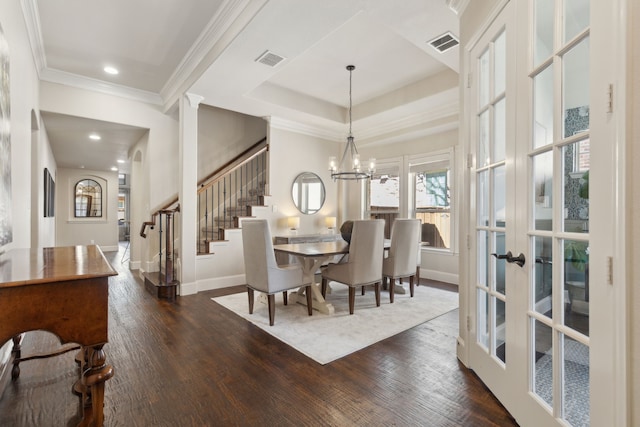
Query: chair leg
[(363, 290), (323, 289), (271, 300), (418, 276), (392, 290), (377, 288), (285, 298), (352, 299), (250, 293), (411, 283), (309, 300)]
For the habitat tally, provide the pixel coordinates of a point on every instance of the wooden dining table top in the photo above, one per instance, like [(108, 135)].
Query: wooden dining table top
[(314, 249), (318, 249)]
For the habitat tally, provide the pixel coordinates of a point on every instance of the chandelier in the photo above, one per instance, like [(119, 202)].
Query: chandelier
[(350, 157)]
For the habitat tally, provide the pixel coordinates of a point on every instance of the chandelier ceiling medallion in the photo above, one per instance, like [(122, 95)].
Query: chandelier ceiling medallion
[(350, 158)]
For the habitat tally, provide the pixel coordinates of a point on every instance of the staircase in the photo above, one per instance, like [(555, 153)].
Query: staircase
[(224, 198)]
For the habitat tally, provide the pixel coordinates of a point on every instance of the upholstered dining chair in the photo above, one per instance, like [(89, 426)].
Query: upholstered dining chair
[(263, 273), (403, 254), (364, 263)]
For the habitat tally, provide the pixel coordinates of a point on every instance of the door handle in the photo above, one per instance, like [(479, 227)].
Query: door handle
[(519, 260)]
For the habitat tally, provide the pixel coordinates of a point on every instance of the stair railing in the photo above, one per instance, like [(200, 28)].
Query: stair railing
[(229, 192), (167, 236)]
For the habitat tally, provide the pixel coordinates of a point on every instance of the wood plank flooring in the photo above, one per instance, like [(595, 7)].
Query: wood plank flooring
[(193, 363)]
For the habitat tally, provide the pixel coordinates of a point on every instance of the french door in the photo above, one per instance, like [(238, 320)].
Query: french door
[(531, 290)]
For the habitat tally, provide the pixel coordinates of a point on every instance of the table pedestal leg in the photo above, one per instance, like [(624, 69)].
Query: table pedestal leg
[(309, 268)]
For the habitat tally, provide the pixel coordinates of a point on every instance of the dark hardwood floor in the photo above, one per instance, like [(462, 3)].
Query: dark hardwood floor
[(193, 363)]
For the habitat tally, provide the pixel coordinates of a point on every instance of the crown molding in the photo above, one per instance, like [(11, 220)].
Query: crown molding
[(421, 124), (447, 110), (458, 6), (224, 18), (304, 129), (95, 85), (32, 22)]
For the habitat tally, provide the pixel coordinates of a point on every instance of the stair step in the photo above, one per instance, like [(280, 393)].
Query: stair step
[(236, 210), (251, 201)]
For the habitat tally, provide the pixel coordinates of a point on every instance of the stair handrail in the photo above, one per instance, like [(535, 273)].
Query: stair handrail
[(166, 209), (210, 179), (245, 157)]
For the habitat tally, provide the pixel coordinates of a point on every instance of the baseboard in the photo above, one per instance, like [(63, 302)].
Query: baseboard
[(220, 282), (188, 288), (439, 276), (135, 265), (109, 248)]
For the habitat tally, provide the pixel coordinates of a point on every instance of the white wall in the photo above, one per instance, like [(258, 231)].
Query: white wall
[(289, 154), (43, 230), (633, 207), (101, 231), (224, 134), (162, 149), (23, 98)]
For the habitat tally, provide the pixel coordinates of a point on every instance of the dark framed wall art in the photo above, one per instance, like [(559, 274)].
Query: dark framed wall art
[(49, 194)]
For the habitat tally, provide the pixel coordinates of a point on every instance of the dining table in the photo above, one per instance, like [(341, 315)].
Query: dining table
[(311, 256)]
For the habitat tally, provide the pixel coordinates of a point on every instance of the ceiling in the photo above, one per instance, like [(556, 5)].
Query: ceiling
[(402, 87)]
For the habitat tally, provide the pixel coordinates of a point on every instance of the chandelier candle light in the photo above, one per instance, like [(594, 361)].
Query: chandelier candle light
[(350, 157)]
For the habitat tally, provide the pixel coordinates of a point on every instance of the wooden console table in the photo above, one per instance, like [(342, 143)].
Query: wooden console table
[(62, 290)]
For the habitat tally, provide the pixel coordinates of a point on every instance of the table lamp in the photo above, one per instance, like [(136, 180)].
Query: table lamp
[(330, 221), (294, 223)]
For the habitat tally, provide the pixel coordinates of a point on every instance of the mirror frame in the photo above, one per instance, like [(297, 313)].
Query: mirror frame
[(307, 177)]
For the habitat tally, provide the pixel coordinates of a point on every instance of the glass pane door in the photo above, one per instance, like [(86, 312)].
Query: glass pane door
[(559, 196)]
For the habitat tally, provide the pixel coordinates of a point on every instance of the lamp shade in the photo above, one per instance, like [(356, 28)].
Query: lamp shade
[(293, 222), (330, 221)]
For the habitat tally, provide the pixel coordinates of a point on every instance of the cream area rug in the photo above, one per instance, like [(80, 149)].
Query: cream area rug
[(325, 338)]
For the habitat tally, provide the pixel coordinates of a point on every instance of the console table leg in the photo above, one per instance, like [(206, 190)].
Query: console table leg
[(17, 354), (93, 379)]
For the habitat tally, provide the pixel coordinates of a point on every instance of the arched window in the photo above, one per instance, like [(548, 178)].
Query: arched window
[(88, 199)]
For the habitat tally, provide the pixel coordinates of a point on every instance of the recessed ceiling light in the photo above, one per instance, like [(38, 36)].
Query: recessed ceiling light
[(111, 70), (115, 169), (120, 161), (95, 137)]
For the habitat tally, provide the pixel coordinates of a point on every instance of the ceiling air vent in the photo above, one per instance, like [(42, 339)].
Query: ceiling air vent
[(444, 42), (270, 59)]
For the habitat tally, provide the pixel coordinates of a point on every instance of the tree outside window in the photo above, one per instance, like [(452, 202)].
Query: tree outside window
[(432, 206)]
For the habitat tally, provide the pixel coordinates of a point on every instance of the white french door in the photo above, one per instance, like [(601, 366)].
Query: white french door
[(531, 283)]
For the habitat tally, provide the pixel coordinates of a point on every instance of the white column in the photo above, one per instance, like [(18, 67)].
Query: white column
[(188, 181)]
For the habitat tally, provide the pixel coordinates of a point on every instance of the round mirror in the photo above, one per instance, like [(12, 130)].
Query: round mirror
[(307, 192)]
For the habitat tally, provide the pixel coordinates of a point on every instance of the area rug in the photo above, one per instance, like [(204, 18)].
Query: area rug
[(325, 338)]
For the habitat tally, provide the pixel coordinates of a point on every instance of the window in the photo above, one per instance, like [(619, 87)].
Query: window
[(88, 199), (384, 193), (432, 197)]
